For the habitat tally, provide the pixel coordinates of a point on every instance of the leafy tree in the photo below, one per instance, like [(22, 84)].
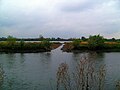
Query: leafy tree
[(96, 42), (113, 39), (83, 38)]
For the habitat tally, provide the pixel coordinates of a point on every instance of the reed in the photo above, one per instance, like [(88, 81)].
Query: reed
[(118, 85), (1, 75), (85, 77)]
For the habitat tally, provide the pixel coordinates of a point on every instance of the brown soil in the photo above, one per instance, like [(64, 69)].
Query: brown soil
[(54, 45), (67, 47)]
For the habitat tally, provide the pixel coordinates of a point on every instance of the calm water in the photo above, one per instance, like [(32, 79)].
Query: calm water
[(37, 71)]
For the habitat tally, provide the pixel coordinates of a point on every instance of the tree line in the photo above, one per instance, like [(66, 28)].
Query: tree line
[(40, 38)]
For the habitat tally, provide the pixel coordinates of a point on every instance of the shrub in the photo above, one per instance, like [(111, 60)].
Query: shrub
[(11, 41), (84, 77), (46, 44), (96, 42), (76, 43), (22, 43)]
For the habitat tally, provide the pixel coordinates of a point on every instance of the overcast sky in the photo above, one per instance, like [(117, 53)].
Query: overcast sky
[(60, 18)]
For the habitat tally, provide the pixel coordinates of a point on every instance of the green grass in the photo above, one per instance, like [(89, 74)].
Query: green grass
[(109, 46), (25, 46)]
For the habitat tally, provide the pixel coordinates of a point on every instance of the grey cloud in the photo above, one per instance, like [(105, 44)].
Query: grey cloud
[(56, 23), (79, 7), (7, 22), (117, 5), (111, 28), (16, 19)]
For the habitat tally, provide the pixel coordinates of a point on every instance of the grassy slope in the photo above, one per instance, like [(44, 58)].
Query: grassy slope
[(28, 47), (108, 46)]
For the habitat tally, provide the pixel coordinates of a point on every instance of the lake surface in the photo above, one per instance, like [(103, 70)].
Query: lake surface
[(37, 71)]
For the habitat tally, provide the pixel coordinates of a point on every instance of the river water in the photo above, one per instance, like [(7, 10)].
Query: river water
[(37, 71)]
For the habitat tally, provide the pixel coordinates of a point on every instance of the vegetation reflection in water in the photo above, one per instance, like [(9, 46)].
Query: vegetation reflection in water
[(1, 76)]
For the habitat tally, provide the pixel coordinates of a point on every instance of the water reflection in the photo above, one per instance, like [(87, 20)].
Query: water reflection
[(90, 55), (22, 58), (118, 85), (29, 71), (10, 59), (10, 56), (46, 58), (1, 76)]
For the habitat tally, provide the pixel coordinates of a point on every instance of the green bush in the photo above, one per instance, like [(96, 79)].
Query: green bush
[(11, 41), (22, 43), (96, 42), (76, 43), (46, 44), (25, 46)]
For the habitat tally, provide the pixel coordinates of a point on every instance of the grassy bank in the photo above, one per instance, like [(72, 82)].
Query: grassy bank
[(27, 47), (94, 43), (84, 46)]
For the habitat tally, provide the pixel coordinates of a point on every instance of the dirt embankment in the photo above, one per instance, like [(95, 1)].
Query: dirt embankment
[(55, 45), (67, 47)]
